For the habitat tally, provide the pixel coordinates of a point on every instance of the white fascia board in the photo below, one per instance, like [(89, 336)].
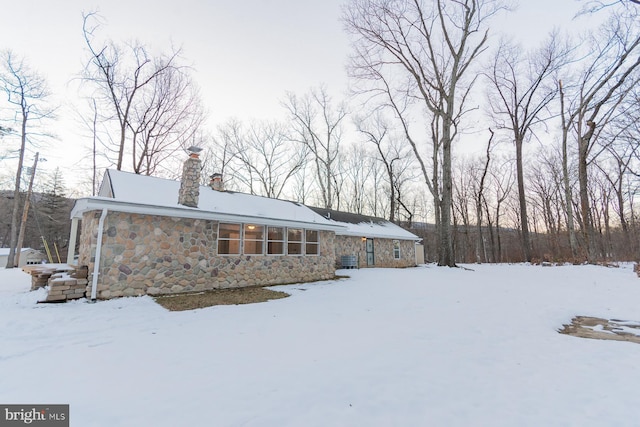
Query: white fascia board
[(98, 203), (408, 236)]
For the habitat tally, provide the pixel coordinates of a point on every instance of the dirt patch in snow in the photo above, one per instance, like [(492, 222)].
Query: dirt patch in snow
[(603, 329), (192, 301)]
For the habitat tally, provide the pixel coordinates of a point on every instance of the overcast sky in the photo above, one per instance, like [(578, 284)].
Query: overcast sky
[(246, 53)]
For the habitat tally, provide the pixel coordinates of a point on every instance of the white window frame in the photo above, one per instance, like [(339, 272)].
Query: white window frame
[(316, 243), (396, 249), (283, 242), (225, 239), (245, 240), (298, 242)]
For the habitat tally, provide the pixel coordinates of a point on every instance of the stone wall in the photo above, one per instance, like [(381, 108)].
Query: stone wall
[(144, 254), (382, 251)]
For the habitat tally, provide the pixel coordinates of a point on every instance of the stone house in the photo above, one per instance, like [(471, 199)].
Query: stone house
[(366, 241), (147, 235)]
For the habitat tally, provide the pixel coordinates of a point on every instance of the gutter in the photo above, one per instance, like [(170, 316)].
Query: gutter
[(96, 264), (97, 203)]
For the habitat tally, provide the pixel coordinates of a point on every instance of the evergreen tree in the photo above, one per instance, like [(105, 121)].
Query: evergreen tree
[(53, 213)]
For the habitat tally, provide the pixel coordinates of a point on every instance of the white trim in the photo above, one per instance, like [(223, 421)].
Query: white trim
[(96, 263), (71, 252), (224, 239), (394, 241), (283, 241), (374, 235), (98, 203)]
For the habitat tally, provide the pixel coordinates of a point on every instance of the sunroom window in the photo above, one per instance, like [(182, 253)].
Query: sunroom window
[(275, 240), (312, 246), (294, 241), (253, 239), (228, 239)]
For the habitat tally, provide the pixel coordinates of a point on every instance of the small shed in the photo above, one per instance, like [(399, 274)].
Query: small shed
[(27, 256)]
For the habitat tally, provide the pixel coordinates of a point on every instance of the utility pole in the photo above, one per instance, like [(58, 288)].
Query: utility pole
[(25, 211)]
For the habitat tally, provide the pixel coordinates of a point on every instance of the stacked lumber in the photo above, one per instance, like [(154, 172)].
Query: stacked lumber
[(65, 282), (63, 287)]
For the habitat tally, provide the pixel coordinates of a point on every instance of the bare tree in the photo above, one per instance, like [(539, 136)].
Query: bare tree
[(392, 152), (479, 198), (119, 75), (610, 71), (422, 51), (592, 6), (358, 166), (522, 90), (221, 152), (165, 120), (268, 158), (318, 126), (501, 182), (27, 93)]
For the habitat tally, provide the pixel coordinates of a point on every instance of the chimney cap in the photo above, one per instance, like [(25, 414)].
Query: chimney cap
[(194, 149)]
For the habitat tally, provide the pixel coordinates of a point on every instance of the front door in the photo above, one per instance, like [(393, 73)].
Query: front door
[(369, 247)]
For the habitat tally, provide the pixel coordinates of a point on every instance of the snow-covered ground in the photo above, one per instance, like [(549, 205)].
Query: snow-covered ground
[(426, 346)]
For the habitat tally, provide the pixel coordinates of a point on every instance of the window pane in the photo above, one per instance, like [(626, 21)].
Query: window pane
[(228, 239), (294, 248), (253, 232), (312, 235), (227, 247), (253, 247), (396, 249), (275, 233), (312, 249), (275, 240), (275, 248), (294, 234), (229, 231)]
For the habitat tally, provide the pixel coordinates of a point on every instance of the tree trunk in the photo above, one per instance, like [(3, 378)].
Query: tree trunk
[(587, 219), (16, 194), (446, 244), (526, 240)]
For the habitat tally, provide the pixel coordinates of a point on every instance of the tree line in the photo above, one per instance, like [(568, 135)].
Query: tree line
[(555, 177)]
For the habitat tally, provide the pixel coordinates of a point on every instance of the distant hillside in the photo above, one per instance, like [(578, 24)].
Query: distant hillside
[(48, 217)]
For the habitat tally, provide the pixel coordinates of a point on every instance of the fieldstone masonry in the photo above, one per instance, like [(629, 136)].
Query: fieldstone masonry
[(144, 254), (190, 183), (382, 251)]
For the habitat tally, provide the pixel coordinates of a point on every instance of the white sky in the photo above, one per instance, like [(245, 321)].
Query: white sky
[(246, 54)]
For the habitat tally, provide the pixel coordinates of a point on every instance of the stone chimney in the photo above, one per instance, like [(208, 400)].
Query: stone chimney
[(216, 182), (190, 183)]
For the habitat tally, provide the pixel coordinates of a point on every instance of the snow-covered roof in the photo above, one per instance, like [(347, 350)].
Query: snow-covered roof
[(128, 192), (5, 251), (365, 226)]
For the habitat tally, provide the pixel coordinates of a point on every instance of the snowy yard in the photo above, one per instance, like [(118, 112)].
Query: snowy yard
[(426, 346)]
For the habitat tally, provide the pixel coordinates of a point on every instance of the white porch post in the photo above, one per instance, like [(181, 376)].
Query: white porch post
[(72, 240)]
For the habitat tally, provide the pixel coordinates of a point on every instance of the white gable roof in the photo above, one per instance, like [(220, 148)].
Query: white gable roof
[(128, 192)]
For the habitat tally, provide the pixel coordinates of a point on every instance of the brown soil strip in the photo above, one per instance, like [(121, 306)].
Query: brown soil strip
[(582, 326), (192, 301)]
